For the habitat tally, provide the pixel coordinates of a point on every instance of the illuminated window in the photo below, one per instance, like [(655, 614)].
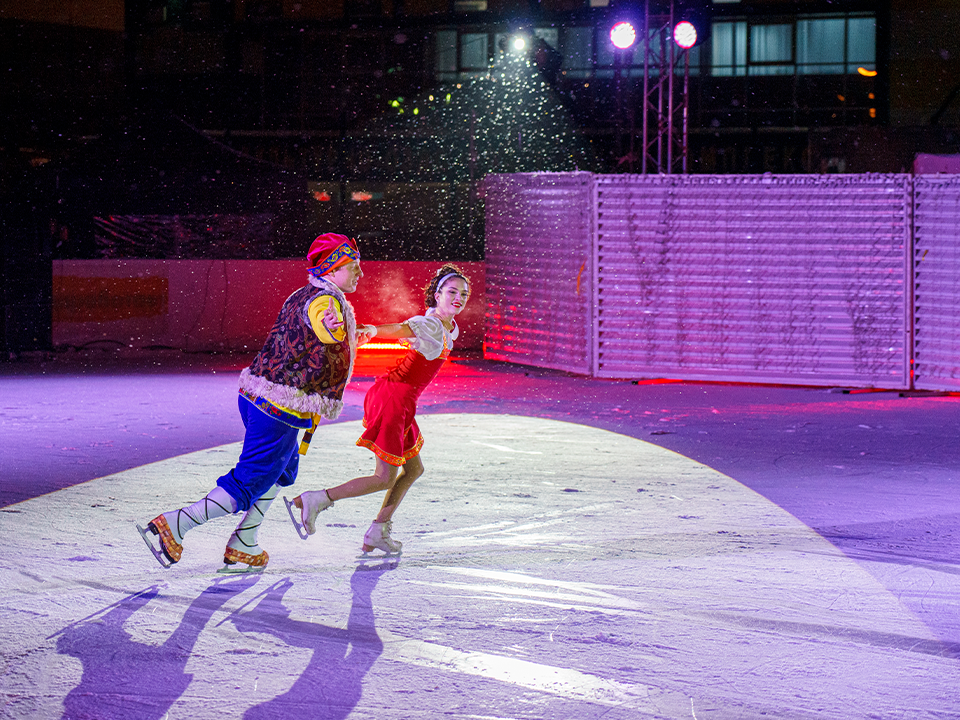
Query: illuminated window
[(771, 49), (458, 53), (861, 43), (820, 46), (813, 45), (474, 54), (550, 36), (470, 6), (729, 49), (577, 51), (446, 53)]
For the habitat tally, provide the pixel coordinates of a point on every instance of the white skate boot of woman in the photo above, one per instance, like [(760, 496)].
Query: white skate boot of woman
[(378, 538)]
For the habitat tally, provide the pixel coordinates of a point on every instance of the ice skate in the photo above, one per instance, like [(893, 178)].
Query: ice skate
[(243, 553), (378, 537), (169, 550), (170, 527), (237, 562), (310, 503)]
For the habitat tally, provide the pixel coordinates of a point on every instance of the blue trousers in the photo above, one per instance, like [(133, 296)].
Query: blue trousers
[(269, 456)]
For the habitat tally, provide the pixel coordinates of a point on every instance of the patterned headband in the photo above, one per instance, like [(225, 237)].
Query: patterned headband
[(341, 255)]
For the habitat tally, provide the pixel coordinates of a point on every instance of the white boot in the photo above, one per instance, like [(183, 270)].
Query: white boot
[(378, 536), (243, 546), (172, 526), (311, 504)]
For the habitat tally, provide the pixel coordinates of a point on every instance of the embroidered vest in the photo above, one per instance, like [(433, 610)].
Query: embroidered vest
[(294, 369)]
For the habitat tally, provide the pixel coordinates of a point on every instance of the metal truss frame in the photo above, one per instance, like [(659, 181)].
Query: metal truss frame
[(665, 121)]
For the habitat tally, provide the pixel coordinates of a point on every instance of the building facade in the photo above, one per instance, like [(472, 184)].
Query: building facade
[(379, 117)]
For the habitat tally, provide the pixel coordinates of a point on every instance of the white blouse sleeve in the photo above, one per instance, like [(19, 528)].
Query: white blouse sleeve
[(428, 336)]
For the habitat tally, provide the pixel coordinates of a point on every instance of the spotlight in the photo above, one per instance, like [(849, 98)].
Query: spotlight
[(623, 35), (519, 43), (685, 34), (693, 27)]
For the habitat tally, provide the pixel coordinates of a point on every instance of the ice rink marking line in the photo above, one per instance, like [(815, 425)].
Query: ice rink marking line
[(489, 526), (504, 448), (479, 531), (528, 540), (563, 682), (556, 515), (593, 588), (591, 603), (505, 537)]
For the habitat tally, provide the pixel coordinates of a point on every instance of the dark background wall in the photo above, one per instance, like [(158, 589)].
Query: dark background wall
[(302, 112)]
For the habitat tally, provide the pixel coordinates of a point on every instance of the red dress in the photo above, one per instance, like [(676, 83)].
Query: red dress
[(390, 406)]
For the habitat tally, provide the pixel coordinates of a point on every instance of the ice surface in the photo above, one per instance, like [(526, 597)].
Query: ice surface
[(550, 570)]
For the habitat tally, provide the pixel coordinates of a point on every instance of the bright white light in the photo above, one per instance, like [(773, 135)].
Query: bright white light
[(519, 43), (685, 34), (623, 35)]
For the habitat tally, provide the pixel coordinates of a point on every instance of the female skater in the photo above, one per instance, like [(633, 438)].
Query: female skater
[(389, 408)]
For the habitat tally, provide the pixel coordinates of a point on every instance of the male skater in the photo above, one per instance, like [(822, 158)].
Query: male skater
[(297, 378)]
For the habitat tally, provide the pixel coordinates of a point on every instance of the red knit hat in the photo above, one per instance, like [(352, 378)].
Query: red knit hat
[(329, 251)]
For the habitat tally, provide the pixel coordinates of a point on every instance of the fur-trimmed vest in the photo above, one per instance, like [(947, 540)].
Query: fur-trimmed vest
[(294, 369)]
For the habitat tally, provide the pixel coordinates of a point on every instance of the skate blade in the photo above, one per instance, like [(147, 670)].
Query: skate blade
[(301, 530), (245, 570), (381, 555), (379, 562), (161, 558)]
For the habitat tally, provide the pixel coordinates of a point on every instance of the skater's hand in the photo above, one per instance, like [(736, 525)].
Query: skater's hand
[(366, 333), (331, 319), (327, 320)]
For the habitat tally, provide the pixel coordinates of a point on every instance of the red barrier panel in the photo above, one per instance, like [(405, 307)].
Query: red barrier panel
[(226, 305)]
